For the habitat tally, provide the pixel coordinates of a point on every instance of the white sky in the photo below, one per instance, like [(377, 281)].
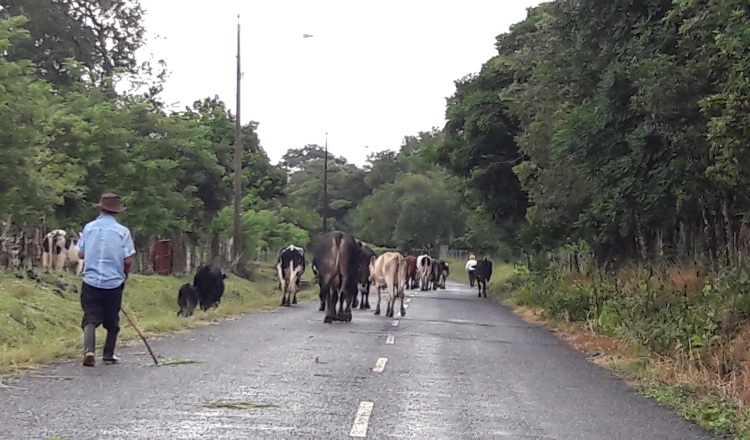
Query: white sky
[(373, 72)]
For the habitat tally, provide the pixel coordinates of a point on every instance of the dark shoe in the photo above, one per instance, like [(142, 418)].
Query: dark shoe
[(108, 353), (89, 346)]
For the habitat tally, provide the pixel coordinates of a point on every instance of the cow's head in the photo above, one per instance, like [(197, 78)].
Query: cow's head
[(58, 238)]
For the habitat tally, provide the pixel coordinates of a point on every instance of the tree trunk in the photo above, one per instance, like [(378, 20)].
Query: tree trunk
[(729, 230)]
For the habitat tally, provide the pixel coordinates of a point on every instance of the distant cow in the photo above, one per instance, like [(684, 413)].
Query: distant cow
[(187, 299), (72, 262), (389, 270), (434, 273), (363, 276), (424, 267), (54, 249), (209, 283), (336, 264), (483, 273), (412, 276), (442, 273), (290, 265)]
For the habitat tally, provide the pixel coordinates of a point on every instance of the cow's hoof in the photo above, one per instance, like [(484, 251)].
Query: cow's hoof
[(322, 309), (327, 320), (294, 301), (403, 312), (377, 311)]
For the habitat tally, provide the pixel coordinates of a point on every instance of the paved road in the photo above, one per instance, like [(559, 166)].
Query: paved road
[(458, 367)]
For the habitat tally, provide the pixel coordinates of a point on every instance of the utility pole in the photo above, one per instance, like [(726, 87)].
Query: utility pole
[(325, 186), (237, 237)]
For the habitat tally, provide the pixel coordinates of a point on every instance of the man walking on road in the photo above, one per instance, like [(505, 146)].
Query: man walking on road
[(471, 264), (107, 248)]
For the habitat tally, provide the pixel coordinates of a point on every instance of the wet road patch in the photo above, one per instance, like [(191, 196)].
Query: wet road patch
[(236, 405)]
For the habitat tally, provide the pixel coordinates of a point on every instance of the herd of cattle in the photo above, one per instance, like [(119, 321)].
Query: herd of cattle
[(345, 268)]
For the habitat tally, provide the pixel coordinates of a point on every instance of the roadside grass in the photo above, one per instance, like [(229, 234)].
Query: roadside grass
[(505, 277), (707, 383), (664, 380), (42, 319)]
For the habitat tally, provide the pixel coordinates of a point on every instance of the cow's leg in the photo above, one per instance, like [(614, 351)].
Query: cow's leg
[(322, 297), (377, 292), (366, 297), (355, 301), (333, 296), (403, 309), (484, 287), (348, 310)]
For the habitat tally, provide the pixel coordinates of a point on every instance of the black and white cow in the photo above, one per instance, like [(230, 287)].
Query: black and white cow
[(54, 249), (290, 265), (60, 251), (483, 273)]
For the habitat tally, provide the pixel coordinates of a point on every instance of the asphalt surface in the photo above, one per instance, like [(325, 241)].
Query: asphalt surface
[(458, 367)]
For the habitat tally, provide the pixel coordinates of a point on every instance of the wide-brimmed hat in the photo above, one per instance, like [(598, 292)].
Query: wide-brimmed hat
[(110, 202)]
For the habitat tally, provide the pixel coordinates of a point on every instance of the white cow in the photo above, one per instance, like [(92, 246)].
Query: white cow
[(389, 270), (424, 269)]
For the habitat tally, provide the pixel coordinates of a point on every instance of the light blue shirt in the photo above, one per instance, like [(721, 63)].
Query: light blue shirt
[(105, 244)]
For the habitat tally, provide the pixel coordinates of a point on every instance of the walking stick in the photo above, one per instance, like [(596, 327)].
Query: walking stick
[(153, 356)]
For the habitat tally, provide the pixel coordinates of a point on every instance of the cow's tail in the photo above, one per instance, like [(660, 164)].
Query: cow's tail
[(292, 276), (280, 275)]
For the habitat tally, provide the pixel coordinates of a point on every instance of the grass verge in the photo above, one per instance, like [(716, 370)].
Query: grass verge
[(42, 318), (705, 382)]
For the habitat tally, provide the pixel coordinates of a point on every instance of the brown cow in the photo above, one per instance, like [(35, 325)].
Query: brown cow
[(443, 272), (412, 276), (336, 265), (389, 270)]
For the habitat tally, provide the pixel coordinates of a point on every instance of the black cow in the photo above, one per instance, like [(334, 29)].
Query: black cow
[(336, 263), (209, 282), (187, 299), (363, 276), (434, 273), (290, 265), (483, 273)]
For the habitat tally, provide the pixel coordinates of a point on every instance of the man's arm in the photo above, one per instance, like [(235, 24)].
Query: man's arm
[(129, 250), (81, 244)]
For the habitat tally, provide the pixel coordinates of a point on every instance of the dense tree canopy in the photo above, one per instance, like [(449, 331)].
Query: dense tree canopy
[(68, 136), (622, 124)]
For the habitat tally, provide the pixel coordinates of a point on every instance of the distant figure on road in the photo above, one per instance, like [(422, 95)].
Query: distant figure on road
[(107, 248), (470, 266)]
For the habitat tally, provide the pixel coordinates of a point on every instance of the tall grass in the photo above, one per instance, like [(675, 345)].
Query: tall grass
[(42, 319)]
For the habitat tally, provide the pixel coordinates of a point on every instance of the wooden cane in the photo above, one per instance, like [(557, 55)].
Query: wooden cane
[(153, 356)]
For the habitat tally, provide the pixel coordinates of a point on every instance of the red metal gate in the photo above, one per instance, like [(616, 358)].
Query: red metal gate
[(163, 257)]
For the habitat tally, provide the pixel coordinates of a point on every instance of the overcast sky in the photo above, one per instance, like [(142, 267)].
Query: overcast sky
[(372, 73)]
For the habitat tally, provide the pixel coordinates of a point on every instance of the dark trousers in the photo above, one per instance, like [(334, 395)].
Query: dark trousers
[(472, 278), (101, 307)]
